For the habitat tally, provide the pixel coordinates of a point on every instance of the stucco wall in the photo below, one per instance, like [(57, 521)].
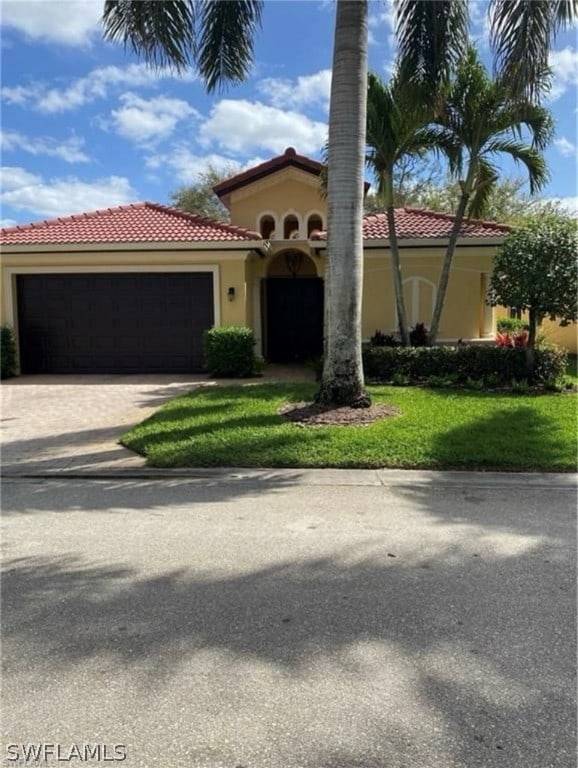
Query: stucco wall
[(290, 191)]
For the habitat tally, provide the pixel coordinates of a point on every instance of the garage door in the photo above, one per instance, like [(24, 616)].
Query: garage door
[(113, 323)]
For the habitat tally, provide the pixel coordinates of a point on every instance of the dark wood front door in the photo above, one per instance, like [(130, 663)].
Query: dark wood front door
[(293, 319), (113, 323)]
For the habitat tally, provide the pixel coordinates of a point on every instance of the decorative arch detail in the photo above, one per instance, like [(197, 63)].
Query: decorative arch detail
[(266, 218), (309, 220), (417, 284), (291, 230)]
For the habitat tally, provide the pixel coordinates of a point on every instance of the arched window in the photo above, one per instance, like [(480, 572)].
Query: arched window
[(267, 226), (314, 222), (290, 227)]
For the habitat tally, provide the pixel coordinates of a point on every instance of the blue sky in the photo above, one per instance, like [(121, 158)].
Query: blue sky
[(86, 125)]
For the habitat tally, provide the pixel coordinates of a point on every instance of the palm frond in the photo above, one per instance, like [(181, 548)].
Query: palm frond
[(485, 182), (521, 32), (163, 34), (431, 37), (225, 50), (530, 157)]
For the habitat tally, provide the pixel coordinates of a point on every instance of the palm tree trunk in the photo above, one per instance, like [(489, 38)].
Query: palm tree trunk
[(447, 266), (396, 263), (342, 379)]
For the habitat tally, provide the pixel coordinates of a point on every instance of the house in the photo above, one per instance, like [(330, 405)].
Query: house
[(131, 289)]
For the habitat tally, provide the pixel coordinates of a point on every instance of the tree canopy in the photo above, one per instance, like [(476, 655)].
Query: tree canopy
[(199, 197), (536, 271)]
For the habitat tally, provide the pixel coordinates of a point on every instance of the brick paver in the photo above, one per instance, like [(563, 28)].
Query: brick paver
[(55, 424)]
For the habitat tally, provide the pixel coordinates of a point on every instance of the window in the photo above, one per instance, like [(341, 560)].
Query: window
[(314, 222), (290, 227), (267, 227)]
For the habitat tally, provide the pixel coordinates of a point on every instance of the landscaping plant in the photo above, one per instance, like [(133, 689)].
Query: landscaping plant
[(536, 271), (7, 352), (230, 352)]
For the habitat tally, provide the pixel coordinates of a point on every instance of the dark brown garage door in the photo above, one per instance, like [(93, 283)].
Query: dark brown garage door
[(113, 323)]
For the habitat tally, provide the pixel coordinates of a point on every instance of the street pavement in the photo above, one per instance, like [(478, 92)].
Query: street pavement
[(290, 619)]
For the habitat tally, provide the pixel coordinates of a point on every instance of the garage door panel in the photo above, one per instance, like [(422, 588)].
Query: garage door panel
[(108, 323)]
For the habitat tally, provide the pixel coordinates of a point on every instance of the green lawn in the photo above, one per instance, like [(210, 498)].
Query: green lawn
[(239, 426)]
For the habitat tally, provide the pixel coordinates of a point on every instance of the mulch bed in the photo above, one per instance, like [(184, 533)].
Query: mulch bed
[(315, 415)]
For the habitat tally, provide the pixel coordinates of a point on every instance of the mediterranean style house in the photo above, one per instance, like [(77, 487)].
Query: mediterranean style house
[(131, 289)]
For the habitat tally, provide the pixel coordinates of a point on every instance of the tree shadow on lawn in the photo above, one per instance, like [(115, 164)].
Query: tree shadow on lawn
[(476, 649), (535, 442)]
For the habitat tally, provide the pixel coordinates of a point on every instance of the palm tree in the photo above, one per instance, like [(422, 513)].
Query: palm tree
[(396, 130), (479, 121), (342, 379), (432, 37)]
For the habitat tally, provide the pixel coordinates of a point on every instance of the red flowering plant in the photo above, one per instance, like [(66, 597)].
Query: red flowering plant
[(512, 339)]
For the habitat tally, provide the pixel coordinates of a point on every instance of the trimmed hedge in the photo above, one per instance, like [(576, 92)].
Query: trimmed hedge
[(230, 351), (503, 364), (7, 352)]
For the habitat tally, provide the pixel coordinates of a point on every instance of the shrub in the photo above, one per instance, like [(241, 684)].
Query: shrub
[(520, 386), (230, 351), (498, 364), (7, 352), (380, 339), (511, 325), (419, 336)]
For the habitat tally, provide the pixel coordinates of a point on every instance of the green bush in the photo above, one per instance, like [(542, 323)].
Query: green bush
[(511, 325), (7, 352), (230, 352), (500, 365)]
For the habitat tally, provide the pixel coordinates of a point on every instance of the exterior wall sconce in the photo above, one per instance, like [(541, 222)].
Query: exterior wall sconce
[(231, 294)]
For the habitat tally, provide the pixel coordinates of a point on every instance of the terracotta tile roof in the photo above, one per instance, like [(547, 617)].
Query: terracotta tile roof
[(287, 159), (415, 223), (134, 223)]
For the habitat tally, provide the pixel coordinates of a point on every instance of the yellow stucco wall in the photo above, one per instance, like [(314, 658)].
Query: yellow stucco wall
[(463, 310), (289, 191)]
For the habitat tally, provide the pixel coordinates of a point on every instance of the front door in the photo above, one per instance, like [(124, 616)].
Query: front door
[(293, 319)]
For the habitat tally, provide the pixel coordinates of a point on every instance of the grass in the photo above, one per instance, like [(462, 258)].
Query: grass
[(438, 429)]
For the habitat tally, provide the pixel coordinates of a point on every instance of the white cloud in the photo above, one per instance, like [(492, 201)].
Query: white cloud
[(569, 204), (565, 147), (384, 19), (24, 191), (96, 85), (7, 223), (245, 126), (564, 64), (187, 166), (307, 89), (145, 120), (69, 150), (68, 22)]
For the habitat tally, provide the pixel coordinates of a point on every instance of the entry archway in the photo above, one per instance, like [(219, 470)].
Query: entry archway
[(292, 301)]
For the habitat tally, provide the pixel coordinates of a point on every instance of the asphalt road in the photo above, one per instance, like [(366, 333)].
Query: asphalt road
[(291, 620)]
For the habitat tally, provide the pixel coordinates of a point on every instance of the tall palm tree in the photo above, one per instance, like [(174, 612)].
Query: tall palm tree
[(481, 120), (396, 130)]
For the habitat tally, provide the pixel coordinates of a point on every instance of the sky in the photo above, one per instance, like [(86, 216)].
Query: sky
[(86, 125)]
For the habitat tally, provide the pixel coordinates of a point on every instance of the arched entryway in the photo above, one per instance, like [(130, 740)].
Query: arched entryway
[(292, 304)]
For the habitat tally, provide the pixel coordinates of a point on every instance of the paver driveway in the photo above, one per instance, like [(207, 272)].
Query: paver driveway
[(52, 424), (56, 423)]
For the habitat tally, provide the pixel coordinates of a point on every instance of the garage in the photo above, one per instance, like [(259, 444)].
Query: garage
[(121, 322)]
